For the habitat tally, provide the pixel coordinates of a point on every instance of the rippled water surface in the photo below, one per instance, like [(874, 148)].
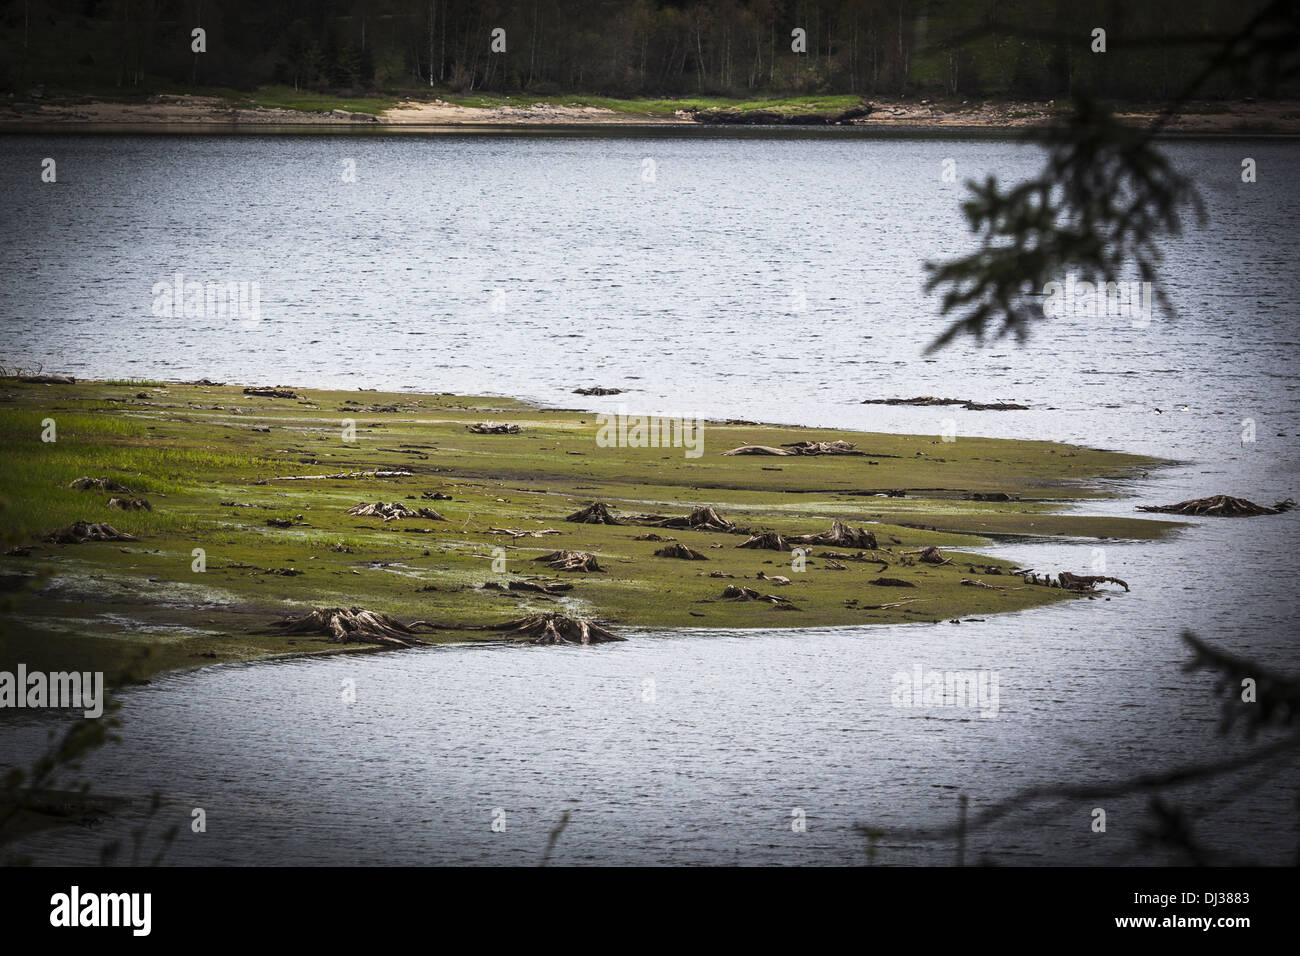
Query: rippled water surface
[(761, 277)]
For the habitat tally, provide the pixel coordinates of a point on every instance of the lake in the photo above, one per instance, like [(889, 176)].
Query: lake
[(767, 277)]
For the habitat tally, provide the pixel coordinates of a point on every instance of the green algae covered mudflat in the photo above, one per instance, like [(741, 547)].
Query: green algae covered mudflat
[(228, 545)]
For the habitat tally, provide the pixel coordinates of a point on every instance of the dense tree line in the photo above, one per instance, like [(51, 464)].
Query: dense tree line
[(1024, 48)]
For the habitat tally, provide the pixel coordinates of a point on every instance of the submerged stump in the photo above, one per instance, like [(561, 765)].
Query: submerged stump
[(1220, 506), (555, 628)]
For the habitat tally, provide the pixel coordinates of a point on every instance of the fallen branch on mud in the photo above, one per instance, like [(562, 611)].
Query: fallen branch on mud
[(341, 474)]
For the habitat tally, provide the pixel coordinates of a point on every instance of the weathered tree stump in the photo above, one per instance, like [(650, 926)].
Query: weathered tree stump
[(130, 504), (1086, 582), (570, 561), (553, 628), (840, 535), (768, 541), (354, 625), (540, 587), (595, 513), (930, 555), (1220, 506), (393, 511), (80, 531), (100, 484), (680, 551), (700, 519)]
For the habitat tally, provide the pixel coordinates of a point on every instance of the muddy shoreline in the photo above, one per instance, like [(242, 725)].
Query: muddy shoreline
[(178, 113)]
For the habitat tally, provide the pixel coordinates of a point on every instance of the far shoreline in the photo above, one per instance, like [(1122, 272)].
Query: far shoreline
[(167, 113)]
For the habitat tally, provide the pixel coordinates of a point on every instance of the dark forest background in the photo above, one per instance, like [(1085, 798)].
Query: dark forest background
[(944, 48)]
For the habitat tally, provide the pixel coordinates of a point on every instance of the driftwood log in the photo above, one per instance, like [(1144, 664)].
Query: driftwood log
[(1220, 506), (354, 625), (343, 474), (759, 450), (48, 379), (928, 400)]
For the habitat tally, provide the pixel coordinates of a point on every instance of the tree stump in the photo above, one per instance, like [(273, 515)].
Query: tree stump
[(553, 628), (80, 531), (595, 513), (680, 551), (354, 625), (1220, 506), (570, 561)]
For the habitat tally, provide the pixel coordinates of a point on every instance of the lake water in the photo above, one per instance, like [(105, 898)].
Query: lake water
[(765, 277)]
